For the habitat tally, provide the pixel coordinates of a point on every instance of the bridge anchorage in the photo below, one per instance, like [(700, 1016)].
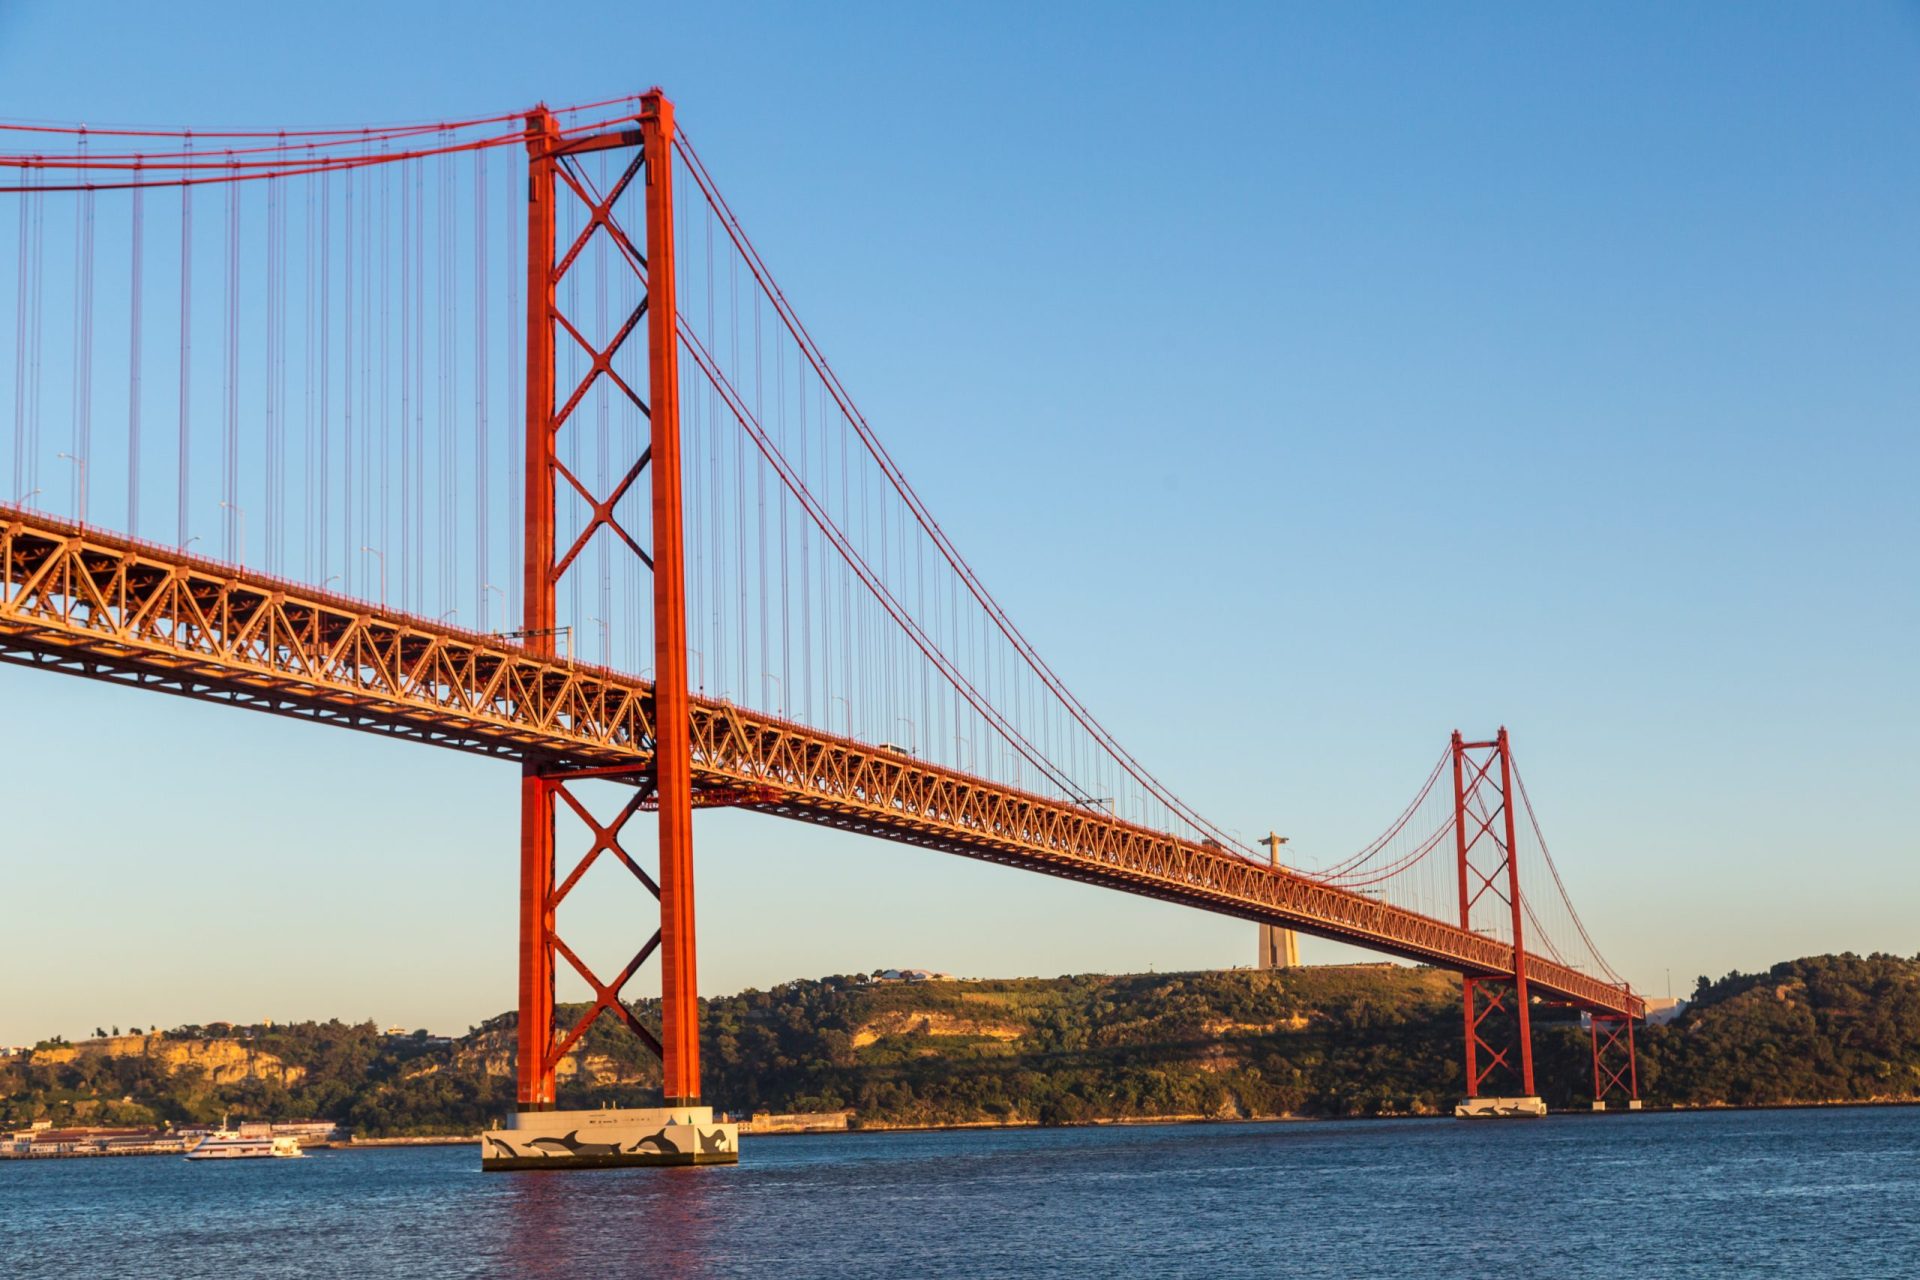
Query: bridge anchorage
[(759, 611)]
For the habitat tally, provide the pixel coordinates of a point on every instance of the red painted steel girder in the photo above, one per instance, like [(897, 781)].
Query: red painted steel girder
[(100, 605)]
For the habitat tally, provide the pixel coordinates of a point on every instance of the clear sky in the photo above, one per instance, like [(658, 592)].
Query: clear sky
[(1306, 382)]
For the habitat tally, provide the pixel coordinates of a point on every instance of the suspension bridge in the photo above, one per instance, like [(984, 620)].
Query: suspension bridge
[(499, 435)]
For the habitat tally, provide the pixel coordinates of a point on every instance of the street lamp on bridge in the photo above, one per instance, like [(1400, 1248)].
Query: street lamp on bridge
[(242, 520), (79, 486), (375, 551)]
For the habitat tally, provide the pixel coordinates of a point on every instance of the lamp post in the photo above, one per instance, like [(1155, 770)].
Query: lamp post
[(238, 511), (79, 486), (778, 684), (375, 551), (484, 588)]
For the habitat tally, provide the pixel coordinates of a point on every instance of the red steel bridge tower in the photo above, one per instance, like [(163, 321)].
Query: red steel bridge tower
[(668, 787), (1498, 1023), (1498, 1007)]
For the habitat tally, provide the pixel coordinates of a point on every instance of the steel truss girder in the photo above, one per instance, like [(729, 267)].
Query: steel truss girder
[(100, 605), (97, 604)]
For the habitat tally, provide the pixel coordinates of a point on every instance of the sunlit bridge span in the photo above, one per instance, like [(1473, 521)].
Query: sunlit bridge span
[(499, 435)]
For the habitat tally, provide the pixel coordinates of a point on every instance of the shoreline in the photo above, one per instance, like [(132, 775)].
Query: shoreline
[(1291, 1118), (456, 1140)]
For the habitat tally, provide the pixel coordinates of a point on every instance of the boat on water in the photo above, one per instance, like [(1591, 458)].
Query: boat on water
[(228, 1144)]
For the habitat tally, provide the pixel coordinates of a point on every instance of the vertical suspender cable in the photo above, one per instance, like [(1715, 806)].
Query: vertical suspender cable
[(270, 514), (384, 341), (418, 510), (323, 471), (348, 543), (309, 373), (516, 458), (186, 349), (37, 337), (83, 344), (366, 452), (278, 524), (760, 495), (806, 544), (483, 560), (22, 489), (135, 232), (444, 539), (406, 391), (786, 571), (230, 452)]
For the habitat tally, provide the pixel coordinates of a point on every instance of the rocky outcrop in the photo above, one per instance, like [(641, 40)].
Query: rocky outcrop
[(223, 1061), (493, 1055), (913, 1022), (1225, 1027)]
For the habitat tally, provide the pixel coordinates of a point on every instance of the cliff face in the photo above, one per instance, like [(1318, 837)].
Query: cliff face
[(902, 1022), (223, 1061)]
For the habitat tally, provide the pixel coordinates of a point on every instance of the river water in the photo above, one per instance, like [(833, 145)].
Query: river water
[(1831, 1193)]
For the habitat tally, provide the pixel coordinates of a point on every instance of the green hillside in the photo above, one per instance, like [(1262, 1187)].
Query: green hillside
[(1326, 1041)]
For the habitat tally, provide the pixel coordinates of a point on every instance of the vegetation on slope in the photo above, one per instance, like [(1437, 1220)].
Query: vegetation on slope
[(1330, 1041), (1840, 1028)]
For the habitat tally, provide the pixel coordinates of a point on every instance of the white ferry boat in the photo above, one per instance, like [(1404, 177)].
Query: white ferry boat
[(226, 1144)]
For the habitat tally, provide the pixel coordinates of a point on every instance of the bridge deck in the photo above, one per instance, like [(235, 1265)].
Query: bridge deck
[(96, 604)]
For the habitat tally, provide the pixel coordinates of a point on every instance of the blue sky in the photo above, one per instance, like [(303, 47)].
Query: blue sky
[(1359, 373)]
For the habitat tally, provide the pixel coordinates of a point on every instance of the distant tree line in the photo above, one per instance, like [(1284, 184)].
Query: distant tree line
[(1334, 1041)]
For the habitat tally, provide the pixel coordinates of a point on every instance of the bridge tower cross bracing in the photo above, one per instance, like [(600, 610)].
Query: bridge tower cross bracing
[(1488, 866), (1616, 1068), (668, 788)]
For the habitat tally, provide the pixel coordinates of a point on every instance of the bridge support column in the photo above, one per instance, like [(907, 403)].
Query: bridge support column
[(1489, 871), (667, 787), (673, 746), (1616, 1069), (534, 1032)]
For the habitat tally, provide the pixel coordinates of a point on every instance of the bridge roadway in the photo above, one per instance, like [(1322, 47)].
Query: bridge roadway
[(97, 604)]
